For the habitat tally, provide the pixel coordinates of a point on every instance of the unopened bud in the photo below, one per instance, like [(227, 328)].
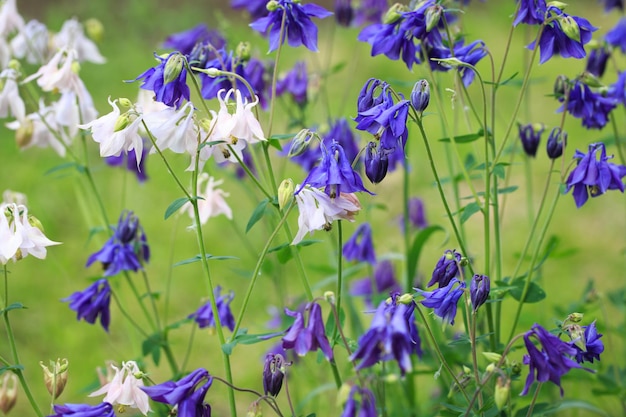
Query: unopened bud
[(8, 392), (492, 356), (394, 13), (433, 15), (467, 370), (575, 317), (272, 6), (56, 378), (329, 296), (24, 133), (501, 395), (34, 221), (124, 102), (95, 29), (558, 4), (254, 410), (560, 86), (173, 67), (243, 51), (516, 368), (420, 96), (556, 142), (300, 142), (285, 193), (14, 64), (122, 122), (273, 374), (479, 290), (405, 299), (212, 72), (490, 368), (591, 80), (569, 27)]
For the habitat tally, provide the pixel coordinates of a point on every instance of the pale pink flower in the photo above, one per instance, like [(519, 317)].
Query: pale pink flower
[(72, 36), (318, 210), (125, 388), (212, 203)]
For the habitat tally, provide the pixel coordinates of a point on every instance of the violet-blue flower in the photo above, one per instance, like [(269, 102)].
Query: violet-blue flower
[(273, 373), (344, 12), (591, 107), (417, 214), (334, 173), (126, 249), (597, 59), (184, 393), (551, 362), (129, 160), (341, 132), (388, 338), (168, 80), (530, 135), (376, 162), (93, 302), (384, 279), (592, 343), (557, 141), (303, 338), (256, 8), (594, 175), (446, 268), (185, 41), (364, 406), (444, 300), (479, 290), (613, 4), (360, 247), (531, 12), (617, 90), (299, 29), (204, 315), (223, 61), (295, 83), (435, 48), (370, 11), (616, 37), (83, 410)]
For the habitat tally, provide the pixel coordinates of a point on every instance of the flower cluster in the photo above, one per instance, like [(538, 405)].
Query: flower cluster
[(125, 388)]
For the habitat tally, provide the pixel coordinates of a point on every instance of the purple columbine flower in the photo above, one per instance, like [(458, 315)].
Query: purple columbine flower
[(256, 8), (370, 11), (129, 160), (384, 278), (360, 246), (389, 337), (273, 373), (597, 59), (376, 162), (592, 343), (364, 406), (417, 214), (225, 61), (420, 96), (530, 136), (303, 338), (565, 35), (557, 140), (531, 12), (299, 28), (551, 362), (616, 37), (334, 173), (184, 393), (613, 4), (593, 108), (204, 315), (295, 82), (593, 176), (344, 12), (341, 132), (185, 41), (446, 268), (83, 410), (126, 249), (444, 300), (94, 301), (435, 48), (168, 80), (479, 290)]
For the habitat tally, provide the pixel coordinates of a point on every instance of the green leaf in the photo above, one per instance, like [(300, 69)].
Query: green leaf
[(257, 214), (208, 257), (284, 255), (535, 292), (14, 306), (505, 82), (418, 244), (152, 346), (468, 211), (175, 206), (469, 138), (244, 338), (577, 405), (80, 168)]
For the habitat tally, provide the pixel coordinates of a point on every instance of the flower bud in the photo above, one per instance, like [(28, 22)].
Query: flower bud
[(596, 60), (446, 268), (556, 143), (479, 290), (243, 51), (575, 317), (558, 4), (94, 29), (530, 135), (405, 299), (285, 193), (492, 356), (34, 221), (516, 368), (8, 392), (173, 67), (376, 163), (125, 102), (56, 378), (300, 143), (490, 368), (254, 410), (273, 374), (420, 96), (501, 395), (329, 296), (394, 13), (433, 15), (15, 65), (560, 86), (569, 27), (24, 133), (272, 6), (344, 12)]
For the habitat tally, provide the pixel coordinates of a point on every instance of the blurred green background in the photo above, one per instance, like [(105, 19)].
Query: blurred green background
[(590, 240)]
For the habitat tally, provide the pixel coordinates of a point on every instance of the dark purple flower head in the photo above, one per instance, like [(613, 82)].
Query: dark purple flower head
[(194, 405), (256, 8), (591, 344), (597, 59), (613, 4), (594, 175), (273, 373), (184, 42), (129, 160), (617, 90), (370, 11), (344, 12), (363, 406), (182, 391), (530, 136), (592, 107), (420, 96), (303, 338), (334, 173), (565, 35), (295, 83), (360, 246), (204, 315), (126, 249), (557, 140), (376, 162), (389, 337), (616, 37), (384, 278), (94, 301), (341, 132), (444, 300), (168, 80), (83, 410), (417, 214), (299, 28), (479, 290), (551, 362), (446, 268), (531, 12)]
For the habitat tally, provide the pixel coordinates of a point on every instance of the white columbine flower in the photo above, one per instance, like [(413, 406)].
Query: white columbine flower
[(59, 73), (212, 203), (31, 42), (117, 132), (10, 96), (72, 36), (318, 210), (124, 389), (174, 129), (10, 19), (19, 237)]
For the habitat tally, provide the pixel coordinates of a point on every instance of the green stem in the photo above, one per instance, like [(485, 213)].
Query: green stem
[(339, 265), (139, 298), (618, 143), (534, 400), (405, 221), (128, 316)]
